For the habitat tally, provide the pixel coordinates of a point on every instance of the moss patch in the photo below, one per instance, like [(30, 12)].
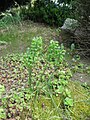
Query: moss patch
[(81, 108)]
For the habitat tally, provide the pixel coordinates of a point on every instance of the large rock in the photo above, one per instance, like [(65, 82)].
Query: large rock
[(70, 25), (68, 31), (73, 32)]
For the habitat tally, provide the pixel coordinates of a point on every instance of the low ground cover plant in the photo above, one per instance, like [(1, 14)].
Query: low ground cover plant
[(40, 87), (2, 112)]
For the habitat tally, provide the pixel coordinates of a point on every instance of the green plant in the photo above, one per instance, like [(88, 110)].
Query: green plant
[(3, 43), (53, 95), (2, 89), (52, 76), (2, 111), (10, 17), (47, 11), (18, 102), (32, 55), (55, 53)]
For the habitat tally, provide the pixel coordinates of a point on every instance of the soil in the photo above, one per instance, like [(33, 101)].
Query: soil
[(83, 78)]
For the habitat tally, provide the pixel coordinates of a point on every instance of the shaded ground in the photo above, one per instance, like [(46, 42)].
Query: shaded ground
[(83, 77)]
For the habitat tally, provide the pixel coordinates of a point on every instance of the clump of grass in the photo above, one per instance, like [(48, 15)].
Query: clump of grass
[(11, 16)]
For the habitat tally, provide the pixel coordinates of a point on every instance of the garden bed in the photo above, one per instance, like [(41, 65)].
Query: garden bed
[(19, 102)]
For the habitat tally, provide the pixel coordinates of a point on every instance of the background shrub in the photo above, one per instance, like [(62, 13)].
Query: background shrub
[(47, 11), (5, 4)]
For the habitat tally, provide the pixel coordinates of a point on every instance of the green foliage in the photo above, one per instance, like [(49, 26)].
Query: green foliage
[(48, 12), (55, 53), (2, 89), (3, 43), (49, 80), (68, 101), (18, 102), (34, 51), (10, 17), (53, 95), (2, 111), (32, 55)]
